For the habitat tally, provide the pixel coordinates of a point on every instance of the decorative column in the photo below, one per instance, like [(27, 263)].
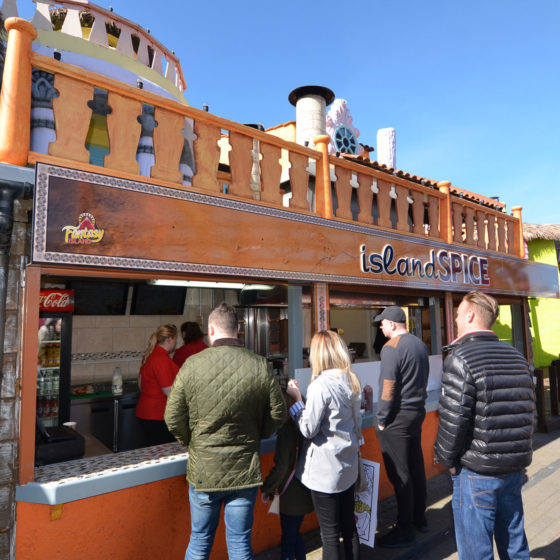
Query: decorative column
[(186, 165), (145, 153), (320, 307), (519, 242), (42, 115), (445, 230), (15, 99), (323, 194)]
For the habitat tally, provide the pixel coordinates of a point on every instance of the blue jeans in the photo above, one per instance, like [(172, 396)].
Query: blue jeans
[(487, 507), (292, 543), (205, 516)]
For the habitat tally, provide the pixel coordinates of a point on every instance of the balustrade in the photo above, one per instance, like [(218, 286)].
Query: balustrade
[(415, 209), (484, 227), (190, 148)]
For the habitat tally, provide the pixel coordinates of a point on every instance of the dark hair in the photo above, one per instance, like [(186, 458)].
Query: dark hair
[(190, 332), (224, 317)]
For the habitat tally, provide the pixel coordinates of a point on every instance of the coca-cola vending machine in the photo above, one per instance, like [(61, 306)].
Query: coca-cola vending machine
[(54, 357)]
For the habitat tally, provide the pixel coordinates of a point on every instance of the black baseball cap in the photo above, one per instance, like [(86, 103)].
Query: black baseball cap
[(391, 313)]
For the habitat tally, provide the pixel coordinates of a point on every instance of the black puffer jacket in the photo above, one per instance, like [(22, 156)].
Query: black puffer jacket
[(487, 407)]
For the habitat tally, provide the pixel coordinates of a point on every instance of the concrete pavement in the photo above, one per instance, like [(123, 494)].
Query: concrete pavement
[(541, 497)]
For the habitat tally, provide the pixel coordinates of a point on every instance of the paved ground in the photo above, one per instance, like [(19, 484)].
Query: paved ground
[(541, 497)]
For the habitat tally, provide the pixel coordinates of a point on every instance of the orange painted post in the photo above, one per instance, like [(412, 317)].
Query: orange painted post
[(519, 243), (323, 196), (15, 100), (445, 212), (29, 374)]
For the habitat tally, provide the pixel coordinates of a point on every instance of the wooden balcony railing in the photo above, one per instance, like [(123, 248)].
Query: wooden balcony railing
[(228, 159)]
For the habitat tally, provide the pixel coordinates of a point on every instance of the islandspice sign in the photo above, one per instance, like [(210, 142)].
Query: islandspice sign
[(442, 265)]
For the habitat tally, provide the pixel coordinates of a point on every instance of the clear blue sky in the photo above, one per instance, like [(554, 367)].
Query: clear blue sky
[(471, 87)]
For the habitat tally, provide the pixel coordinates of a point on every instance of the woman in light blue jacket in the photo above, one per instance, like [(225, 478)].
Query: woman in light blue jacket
[(329, 464)]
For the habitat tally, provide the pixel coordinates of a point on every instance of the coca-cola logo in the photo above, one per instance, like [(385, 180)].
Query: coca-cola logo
[(56, 300)]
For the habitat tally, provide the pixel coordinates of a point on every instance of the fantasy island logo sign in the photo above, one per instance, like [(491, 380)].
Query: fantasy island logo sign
[(85, 232), (442, 265)]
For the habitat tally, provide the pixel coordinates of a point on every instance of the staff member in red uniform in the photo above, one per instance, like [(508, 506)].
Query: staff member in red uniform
[(193, 342), (157, 374)]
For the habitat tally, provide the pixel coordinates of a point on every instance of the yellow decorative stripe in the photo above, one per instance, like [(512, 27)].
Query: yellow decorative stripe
[(65, 42)]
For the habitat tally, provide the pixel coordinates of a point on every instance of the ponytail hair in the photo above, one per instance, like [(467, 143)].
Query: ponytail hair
[(161, 335), (328, 351)]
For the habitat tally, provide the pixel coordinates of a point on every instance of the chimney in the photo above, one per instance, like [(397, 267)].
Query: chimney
[(311, 112), (387, 147)]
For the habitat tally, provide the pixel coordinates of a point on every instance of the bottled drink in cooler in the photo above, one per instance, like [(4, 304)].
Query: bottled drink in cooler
[(117, 384), (46, 407), (47, 389), (54, 407)]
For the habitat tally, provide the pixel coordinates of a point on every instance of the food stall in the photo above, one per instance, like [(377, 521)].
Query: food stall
[(389, 238)]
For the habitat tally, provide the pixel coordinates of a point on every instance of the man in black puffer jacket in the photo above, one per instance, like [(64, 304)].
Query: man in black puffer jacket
[(486, 416)]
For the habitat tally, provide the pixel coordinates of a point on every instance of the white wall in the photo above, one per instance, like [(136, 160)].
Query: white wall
[(368, 373)]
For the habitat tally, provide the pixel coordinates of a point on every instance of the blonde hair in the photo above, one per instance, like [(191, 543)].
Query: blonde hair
[(328, 351), (161, 335), (487, 306)]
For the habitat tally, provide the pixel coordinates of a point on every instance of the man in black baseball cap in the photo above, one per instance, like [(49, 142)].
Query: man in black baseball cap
[(401, 411), (391, 313)]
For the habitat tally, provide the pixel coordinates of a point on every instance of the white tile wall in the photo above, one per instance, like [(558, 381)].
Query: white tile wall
[(118, 333)]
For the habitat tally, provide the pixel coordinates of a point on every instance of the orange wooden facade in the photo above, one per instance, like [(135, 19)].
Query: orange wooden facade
[(152, 519)]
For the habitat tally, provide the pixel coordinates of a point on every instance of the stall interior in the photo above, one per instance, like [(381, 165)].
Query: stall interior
[(111, 324), (113, 320), (352, 314)]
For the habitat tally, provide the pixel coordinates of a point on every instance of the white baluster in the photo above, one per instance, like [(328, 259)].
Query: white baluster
[(72, 25), (42, 17), (124, 44), (98, 33), (9, 9)]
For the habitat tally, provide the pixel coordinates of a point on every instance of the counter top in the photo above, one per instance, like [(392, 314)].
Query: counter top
[(60, 483)]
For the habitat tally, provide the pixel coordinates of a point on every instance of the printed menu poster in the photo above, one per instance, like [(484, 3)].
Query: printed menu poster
[(365, 506)]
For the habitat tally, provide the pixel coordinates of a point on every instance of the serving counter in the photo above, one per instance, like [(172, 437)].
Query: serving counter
[(144, 492)]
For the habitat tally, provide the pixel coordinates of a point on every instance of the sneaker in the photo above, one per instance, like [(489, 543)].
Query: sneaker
[(397, 537)]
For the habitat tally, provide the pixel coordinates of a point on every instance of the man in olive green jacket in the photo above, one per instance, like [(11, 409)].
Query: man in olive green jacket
[(222, 403)]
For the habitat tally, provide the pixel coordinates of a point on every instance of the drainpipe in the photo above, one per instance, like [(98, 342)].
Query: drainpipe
[(9, 191)]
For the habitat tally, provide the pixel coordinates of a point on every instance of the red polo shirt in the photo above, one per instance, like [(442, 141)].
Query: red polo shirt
[(159, 371), (181, 354)]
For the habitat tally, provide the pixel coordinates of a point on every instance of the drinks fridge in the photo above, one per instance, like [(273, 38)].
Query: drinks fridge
[(54, 356)]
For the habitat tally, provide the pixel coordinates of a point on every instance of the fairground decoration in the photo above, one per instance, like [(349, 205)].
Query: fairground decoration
[(84, 233), (443, 265), (56, 300)]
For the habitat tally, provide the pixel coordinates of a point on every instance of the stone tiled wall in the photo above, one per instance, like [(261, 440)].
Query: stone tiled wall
[(9, 388), (100, 343)]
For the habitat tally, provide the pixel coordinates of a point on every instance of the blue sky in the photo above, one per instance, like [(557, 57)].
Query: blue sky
[(471, 87)]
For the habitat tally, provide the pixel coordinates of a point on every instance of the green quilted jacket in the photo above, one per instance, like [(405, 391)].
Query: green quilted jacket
[(222, 403)]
